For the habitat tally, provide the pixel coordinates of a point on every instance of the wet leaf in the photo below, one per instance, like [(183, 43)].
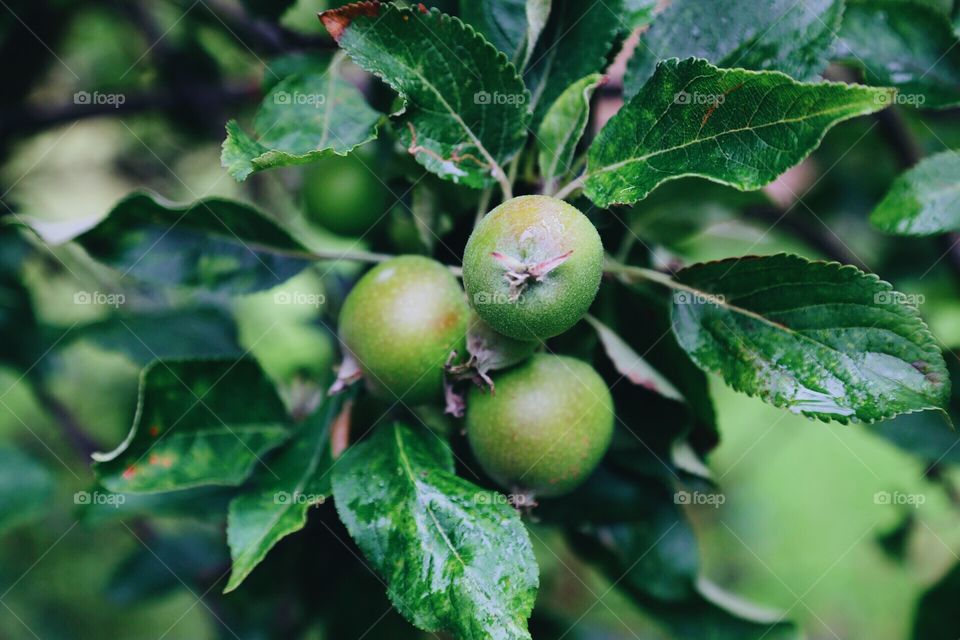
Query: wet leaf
[(455, 557), (735, 127), (462, 123), (764, 35), (904, 44), (817, 338)]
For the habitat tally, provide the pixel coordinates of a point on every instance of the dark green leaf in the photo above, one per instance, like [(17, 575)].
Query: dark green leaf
[(923, 434), (198, 423), (576, 42), (933, 619), (562, 127), (275, 503), (817, 338), (213, 243), (455, 557), (513, 26), (903, 44), (206, 504), (735, 127), (306, 116), (26, 488), (923, 201), (159, 566), (764, 35), (18, 324), (631, 365), (462, 123), (166, 334)]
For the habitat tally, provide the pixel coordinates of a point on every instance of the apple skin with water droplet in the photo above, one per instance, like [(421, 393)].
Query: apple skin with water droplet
[(401, 321), (552, 248), (545, 429)]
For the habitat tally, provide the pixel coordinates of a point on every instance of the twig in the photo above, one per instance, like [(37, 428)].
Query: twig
[(78, 438), (826, 243), (570, 187)]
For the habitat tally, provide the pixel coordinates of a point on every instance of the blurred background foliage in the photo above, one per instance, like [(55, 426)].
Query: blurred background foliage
[(799, 531)]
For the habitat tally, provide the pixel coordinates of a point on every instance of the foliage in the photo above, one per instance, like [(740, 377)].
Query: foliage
[(220, 319)]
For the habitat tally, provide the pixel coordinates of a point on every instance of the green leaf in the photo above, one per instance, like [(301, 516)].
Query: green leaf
[(575, 43), (455, 557), (739, 128), (465, 112), (904, 44), (925, 200), (198, 422), (203, 332), (214, 244), (765, 35), (26, 488), (304, 117), (817, 338), (276, 502), (631, 365), (562, 127), (923, 434), (512, 26)]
